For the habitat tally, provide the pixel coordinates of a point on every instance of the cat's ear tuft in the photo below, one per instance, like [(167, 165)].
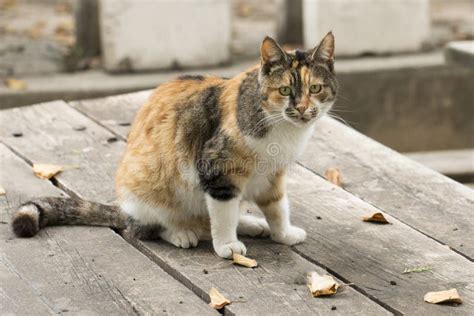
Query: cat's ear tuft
[(325, 49), (271, 52)]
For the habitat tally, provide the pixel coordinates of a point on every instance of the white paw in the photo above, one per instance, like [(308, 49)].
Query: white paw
[(292, 236), (180, 238), (227, 249), (253, 226)]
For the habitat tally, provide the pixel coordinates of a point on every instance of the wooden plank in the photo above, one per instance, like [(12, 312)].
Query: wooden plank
[(125, 105), (87, 270), (452, 163), (424, 199), (267, 289), (368, 255), (65, 128), (373, 255)]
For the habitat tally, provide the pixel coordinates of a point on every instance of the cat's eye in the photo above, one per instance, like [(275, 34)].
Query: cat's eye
[(285, 91), (315, 88)]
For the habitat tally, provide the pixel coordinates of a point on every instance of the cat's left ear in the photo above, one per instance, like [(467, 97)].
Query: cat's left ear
[(271, 52), (325, 50)]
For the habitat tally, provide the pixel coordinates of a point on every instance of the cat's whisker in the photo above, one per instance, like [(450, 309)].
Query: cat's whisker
[(260, 124), (338, 118)]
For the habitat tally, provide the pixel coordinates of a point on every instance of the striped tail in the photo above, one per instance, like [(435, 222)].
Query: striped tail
[(49, 211)]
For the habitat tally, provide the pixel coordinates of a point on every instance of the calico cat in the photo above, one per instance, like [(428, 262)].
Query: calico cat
[(201, 145)]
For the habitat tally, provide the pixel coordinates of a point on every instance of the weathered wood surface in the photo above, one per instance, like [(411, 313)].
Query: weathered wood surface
[(375, 173), (453, 163), (87, 270), (126, 106), (345, 245), (50, 128), (423, 199), (267, 289), (373, 255)]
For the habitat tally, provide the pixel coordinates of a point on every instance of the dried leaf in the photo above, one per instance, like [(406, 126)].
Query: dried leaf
[(322, 285), (46, 171), (15, 84), (244, 261), (416, 269), (376, 218), (217, 299), (37, 29), (334, 176), (449, 296), (2, 191), (7, 4), (63, 8)]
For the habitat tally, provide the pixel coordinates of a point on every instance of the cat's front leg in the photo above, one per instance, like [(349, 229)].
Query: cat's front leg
[(275, 206), (224, 216)]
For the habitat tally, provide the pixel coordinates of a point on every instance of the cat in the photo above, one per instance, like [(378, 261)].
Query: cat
[(201, 146)]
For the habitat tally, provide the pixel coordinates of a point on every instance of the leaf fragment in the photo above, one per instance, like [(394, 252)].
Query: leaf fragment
[(376, 218), (2, 191), (322, 285), (46, 171), (217, 299), (15, 84), (244, 261), (417, 269), (449, 296), (333, 175)]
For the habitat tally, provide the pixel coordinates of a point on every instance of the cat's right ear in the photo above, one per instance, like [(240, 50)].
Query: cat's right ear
[(271, 52)]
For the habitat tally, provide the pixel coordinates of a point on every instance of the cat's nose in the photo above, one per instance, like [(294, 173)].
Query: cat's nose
[(301, 108)]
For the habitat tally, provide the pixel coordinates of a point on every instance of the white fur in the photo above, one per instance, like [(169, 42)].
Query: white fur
[(280, 227), (224, 220)]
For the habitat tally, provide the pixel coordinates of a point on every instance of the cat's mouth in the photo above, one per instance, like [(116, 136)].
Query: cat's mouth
[(299, 120)]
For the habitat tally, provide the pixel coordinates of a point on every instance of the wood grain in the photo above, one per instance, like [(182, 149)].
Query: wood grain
[(452, 163), (88, 270), (373, 255), (422, 198)]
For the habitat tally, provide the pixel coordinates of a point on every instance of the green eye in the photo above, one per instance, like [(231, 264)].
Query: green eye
[(285, 91), (315, 88)]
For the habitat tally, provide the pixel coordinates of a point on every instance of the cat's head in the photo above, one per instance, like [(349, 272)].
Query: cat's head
[(299, 86)]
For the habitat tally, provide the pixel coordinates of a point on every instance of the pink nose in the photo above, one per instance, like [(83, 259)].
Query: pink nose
[(301, 109)]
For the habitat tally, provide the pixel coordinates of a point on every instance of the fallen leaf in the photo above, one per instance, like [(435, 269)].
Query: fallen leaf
[(449, 296), (217, 299), (416, 269), (46, 171), (63, 8), (15, 84), (2, 191), (244, 261), (376, 218), (7, 4), (334, 176), (37, 29), (64, 28), (322, 285)]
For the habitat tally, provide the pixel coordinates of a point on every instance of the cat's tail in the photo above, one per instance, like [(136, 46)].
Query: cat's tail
[(49, 211)]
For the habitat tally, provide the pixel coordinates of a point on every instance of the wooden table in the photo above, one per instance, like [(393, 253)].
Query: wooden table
[(93, 270)]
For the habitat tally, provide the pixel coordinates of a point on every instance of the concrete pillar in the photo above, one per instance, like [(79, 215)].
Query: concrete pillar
[(367, 26), (142, 35)]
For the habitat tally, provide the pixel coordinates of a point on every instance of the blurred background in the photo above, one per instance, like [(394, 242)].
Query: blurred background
[(406, 67)]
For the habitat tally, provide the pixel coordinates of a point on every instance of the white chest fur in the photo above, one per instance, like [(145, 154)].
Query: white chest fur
[(277, 150), (282, 145)]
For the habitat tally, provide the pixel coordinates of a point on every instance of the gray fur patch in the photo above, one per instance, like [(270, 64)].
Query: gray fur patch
[(249, 109)]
